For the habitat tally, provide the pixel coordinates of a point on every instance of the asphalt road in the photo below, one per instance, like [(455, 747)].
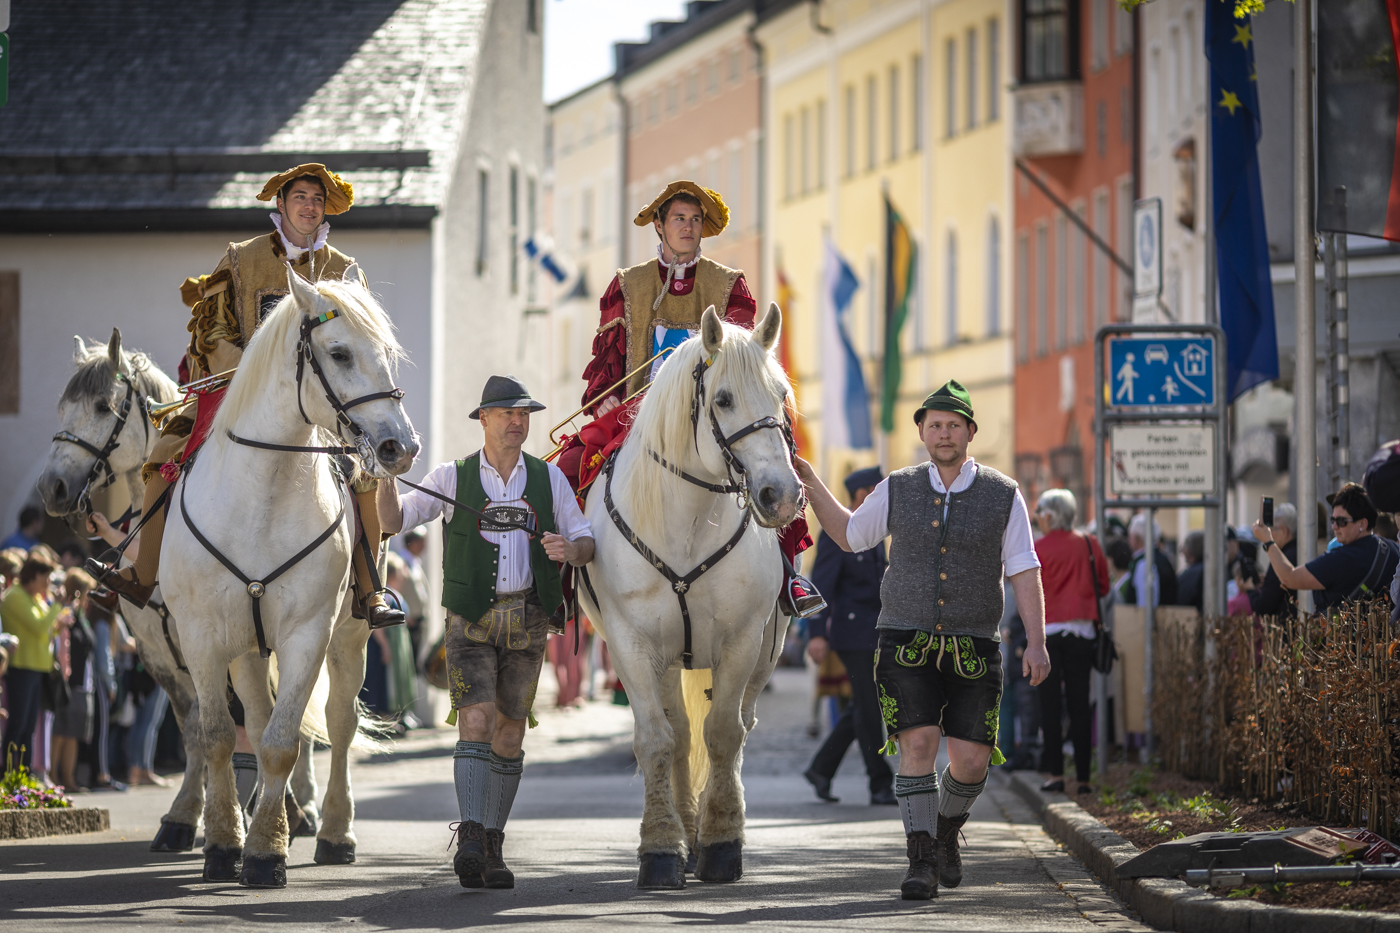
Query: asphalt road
[(572, 843)]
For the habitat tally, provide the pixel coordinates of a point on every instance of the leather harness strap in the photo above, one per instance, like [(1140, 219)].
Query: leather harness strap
[(721, 488), (678, 582), (257, 588), (164, 612), (103, 454)]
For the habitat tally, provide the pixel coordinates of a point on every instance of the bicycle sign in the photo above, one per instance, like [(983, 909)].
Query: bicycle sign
[(1161, 372)]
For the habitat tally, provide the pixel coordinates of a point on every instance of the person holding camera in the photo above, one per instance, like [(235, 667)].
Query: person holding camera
[(28, 612)]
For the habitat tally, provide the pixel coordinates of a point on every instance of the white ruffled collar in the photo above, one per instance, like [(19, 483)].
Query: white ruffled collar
[(295, 253), (661, 259)]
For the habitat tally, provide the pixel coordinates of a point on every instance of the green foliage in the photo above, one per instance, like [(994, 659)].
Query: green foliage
[(1140, 785), (20, 791), (1243, 8), (1241, 893)]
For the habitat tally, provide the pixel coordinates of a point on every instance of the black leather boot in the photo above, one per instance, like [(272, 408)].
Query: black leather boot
[(949, 860), (470, 860), (497, 875), (921, 881)]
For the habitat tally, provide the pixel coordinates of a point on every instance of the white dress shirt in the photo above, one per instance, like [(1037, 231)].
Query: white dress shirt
[(870, 524), (513, 573)]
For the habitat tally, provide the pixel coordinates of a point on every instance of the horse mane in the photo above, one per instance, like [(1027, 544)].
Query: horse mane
[(663, 419), (270, 353), (96, 379)]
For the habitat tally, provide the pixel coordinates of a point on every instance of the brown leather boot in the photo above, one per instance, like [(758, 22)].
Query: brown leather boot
[(372, 606), (138, 581), (470, 860), (946, 843), (921, 881), (497, 875)]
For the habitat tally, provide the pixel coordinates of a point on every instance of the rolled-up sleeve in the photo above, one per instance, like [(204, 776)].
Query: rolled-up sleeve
[(870, 524), (419, 508), (569, 520), (1017, 544)]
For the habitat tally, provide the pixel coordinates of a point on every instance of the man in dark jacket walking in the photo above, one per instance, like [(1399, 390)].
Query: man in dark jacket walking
[(851, 584)]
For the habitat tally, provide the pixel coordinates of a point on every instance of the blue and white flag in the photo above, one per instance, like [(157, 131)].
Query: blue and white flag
[(543, 253), (845, 403)]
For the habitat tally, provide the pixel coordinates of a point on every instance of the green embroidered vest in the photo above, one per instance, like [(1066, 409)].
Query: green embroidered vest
[(469, 561)]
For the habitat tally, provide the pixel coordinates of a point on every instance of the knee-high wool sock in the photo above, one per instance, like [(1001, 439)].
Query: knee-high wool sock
[(918, 801), (956, 798), (471, 767), (501, 787), (245, 776)]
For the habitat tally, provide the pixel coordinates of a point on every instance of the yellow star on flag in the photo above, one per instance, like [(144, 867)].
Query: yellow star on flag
[(1242, 35), (1229, 101)]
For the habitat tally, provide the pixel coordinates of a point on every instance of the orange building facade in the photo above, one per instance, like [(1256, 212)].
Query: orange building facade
[(1075, 131)]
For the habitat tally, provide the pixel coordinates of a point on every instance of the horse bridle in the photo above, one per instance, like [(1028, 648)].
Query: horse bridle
[(735, 471), (103, 463)]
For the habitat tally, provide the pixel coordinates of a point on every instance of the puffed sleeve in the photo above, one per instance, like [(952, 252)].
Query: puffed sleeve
[(742, 309), (609, 346)]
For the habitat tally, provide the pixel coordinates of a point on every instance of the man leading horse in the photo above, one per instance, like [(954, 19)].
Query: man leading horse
[(650, 309), (226, 308)]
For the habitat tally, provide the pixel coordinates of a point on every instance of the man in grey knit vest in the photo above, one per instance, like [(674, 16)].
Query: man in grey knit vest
[(956, 527)]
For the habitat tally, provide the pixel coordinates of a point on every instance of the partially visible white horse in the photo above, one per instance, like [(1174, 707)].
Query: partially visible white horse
[(257, 553), (107, 437), (667, 543)]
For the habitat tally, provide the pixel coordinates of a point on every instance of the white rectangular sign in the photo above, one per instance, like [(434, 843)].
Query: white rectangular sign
[(1147, 248), (1161, 459)]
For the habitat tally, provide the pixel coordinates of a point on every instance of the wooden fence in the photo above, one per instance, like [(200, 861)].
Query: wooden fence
[(1306, 713)]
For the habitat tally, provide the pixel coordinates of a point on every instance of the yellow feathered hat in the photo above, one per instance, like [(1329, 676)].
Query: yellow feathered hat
[(340, 194), (711, 205)]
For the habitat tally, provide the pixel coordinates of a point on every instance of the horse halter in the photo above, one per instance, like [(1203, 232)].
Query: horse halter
[(733, 466), (103, 463), (306, 355)]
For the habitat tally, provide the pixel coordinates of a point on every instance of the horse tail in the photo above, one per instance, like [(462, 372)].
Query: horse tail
[(314, 728), (695, 688)]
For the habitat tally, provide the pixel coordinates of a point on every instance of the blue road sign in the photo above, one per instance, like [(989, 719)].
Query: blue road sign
[(1161, 371)]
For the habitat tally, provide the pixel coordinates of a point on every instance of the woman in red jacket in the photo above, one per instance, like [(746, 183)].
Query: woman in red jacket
[(1074, 574)]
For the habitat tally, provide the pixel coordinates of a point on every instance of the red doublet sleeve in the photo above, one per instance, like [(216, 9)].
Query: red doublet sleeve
[(742, 308), (609, 347)]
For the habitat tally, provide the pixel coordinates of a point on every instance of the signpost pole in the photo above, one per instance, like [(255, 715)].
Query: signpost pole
[(1100, 522), (1148, 599), (1304, 278)]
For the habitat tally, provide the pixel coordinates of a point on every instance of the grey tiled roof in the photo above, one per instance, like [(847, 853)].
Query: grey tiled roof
[(212, 76)]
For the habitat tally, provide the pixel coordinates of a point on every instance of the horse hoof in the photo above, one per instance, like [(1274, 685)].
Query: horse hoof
[(691, 859), (307, 827), (222, 864), (660, 871), (264, 871), (721, 862), (334, 853), (173, 837)]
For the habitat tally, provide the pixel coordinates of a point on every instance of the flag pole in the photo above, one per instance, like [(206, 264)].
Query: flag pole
[(1305, 368)]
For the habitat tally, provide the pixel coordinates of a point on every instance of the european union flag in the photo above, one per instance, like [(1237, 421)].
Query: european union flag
[(1241, 245)]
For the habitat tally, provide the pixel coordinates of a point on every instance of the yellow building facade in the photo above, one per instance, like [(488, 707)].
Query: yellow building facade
[(906, 99)]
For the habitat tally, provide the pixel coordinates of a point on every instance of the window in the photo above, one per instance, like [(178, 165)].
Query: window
[(1125, 115), (673, 98), (916, 99), (1077, 297), (950, 77), (712, 76), (514, 234), (692, 87), (654, 107), (735, 65), (549, 144), (1122, 31), (1174, 75), (806, 119), (532, 16), (789, 157), (1101, 127), (894, 112), (1125, 246), (993, 278), (850, 130), (1049, 46), (971, 78), (585, 219), (1042, 311), (483, 218), (1061, 280), (993, 70), (950, 296), (1023, 315), (820, 143), (872, 121), (1150, 93), (1098, 34), (1100, 262), (531, 216)]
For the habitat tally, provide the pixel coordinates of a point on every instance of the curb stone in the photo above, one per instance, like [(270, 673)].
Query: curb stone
[(1169, 904), (31, 824)]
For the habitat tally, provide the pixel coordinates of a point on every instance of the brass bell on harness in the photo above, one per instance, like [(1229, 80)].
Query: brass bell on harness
[(256, 590)]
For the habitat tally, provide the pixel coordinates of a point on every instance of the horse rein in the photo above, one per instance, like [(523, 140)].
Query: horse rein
[(103, 463), (306, 355)]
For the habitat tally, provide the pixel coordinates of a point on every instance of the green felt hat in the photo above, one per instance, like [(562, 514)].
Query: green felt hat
[(951, 397)]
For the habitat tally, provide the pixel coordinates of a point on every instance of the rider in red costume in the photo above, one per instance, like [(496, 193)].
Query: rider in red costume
[(651, 307)]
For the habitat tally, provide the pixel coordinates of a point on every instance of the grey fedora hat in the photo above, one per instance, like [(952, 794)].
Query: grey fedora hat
[(505, 392)]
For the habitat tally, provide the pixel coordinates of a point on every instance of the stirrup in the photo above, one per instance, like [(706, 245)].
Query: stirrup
[(382, 616), (808, 603)]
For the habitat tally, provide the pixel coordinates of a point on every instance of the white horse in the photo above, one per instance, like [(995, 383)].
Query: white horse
[(707, 418), (107, 437), (256, 558)]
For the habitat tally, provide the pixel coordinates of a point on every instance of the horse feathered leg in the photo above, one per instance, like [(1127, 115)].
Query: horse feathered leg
[(683, 791), (721, 834), (181, 821), (223, 823), (345, 664)]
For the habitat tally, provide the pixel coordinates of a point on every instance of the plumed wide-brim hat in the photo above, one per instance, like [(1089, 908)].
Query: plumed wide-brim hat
[(340, 194), (505, 392), (711, 205), (951, 396)]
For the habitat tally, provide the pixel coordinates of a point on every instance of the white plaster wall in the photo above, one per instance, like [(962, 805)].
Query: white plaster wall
[(78, 284)]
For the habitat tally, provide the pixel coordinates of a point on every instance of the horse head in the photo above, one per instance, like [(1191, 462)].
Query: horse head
[(352, 357), (101, 409)]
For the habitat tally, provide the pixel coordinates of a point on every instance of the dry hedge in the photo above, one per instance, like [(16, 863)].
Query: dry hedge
[(1302, 712)]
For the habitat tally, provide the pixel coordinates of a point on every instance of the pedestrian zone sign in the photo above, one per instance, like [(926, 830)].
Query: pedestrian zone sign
[(1149, 372)]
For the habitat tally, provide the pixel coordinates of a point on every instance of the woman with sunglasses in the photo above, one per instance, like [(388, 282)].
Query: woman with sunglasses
[(1360, 569)]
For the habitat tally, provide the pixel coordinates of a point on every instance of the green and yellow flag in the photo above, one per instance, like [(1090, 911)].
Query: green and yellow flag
[(900, 262)]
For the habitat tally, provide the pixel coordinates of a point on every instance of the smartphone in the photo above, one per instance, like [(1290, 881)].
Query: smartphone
[(1266, 509)]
